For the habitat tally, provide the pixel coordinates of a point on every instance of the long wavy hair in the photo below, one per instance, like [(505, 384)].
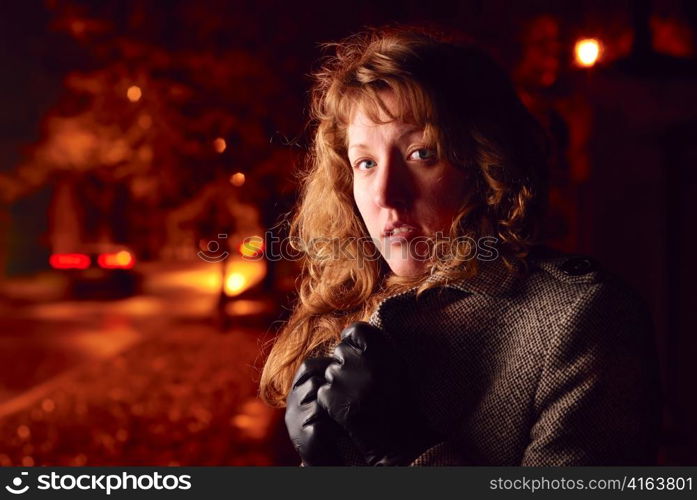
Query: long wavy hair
[(471, 113)]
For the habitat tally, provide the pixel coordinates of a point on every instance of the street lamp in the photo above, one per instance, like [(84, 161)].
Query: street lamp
[(587, 52)]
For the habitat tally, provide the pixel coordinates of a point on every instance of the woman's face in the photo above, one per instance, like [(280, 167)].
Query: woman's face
[(403, 191)]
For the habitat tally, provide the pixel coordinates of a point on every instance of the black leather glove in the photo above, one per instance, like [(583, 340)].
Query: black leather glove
[(368, 393), (312, 432)]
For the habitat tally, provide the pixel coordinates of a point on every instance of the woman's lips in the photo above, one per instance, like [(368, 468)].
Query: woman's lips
[(400, 234)]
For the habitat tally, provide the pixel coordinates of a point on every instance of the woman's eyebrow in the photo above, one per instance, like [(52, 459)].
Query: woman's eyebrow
[(406, 133), (411, 131)]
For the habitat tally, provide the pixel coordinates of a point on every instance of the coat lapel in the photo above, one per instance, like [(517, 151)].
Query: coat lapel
[(443, 335)]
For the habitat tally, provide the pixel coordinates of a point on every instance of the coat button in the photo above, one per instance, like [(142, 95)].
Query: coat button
[(577, 266)]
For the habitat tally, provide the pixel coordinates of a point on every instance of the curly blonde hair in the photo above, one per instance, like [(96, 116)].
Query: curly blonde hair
[(471, 113)]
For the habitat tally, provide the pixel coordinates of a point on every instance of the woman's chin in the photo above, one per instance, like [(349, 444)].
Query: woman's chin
[(407, 267)]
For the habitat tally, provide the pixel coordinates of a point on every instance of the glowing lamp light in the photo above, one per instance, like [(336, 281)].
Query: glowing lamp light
[(134, 93), (118, 260), (252, 247), (235, 284), (587, 52), (237, 179), (69, 261), (219, 145)]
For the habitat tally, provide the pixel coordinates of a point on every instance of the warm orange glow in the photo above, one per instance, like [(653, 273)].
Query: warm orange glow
[(23, 432), (219, 145), (134, 93), (587, 52), (78, 27), (254, 420), (251, 247), (48, 405), (145, 121), (118, 260), (69, 261), (235, 283), (241, 307), (237, 179)]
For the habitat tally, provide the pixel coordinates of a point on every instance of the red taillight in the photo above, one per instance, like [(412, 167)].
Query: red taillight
[(69, 261), (119, 260)]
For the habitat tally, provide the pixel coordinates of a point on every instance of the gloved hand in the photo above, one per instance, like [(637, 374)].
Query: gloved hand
[(312, 432), (368, 393)]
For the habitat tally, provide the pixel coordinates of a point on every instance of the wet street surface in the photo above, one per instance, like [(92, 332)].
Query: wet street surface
[(147, 380)]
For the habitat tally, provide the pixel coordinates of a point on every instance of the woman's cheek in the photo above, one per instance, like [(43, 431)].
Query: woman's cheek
[(365, 206)]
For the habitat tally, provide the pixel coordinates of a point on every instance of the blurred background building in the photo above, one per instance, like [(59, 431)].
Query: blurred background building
[(147, 158)]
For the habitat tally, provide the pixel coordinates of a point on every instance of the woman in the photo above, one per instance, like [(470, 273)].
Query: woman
[(430, 329)]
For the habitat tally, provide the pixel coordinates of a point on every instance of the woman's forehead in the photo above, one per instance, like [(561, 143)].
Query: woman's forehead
[(364, 114), (380, 107), (363, 127)]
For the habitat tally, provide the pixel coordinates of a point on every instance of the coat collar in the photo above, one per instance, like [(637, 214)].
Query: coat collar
[(493, 278)]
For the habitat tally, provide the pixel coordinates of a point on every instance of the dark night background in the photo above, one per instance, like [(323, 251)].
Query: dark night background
[(142, 131)]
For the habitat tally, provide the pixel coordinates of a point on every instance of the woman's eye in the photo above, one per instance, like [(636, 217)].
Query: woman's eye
[(423, 154), (365, 164)]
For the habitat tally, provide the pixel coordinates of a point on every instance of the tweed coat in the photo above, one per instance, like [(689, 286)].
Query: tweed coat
[(556, 367)]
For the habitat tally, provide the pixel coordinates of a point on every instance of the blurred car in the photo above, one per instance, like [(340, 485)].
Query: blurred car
[(99, 271)]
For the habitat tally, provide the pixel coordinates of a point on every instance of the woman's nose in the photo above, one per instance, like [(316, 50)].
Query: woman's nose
[(391, 186)]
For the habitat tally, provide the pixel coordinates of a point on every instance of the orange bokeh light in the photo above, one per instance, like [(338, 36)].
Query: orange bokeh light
[(587, 52), (237, 179), (219, 145), (235, 283), (252, 247), (119, 260), (134, 93)]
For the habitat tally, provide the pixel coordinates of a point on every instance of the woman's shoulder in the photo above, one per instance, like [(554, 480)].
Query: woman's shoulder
[(574, 275), (557, 290), (565, 267), (549, 275), (580, 289)]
